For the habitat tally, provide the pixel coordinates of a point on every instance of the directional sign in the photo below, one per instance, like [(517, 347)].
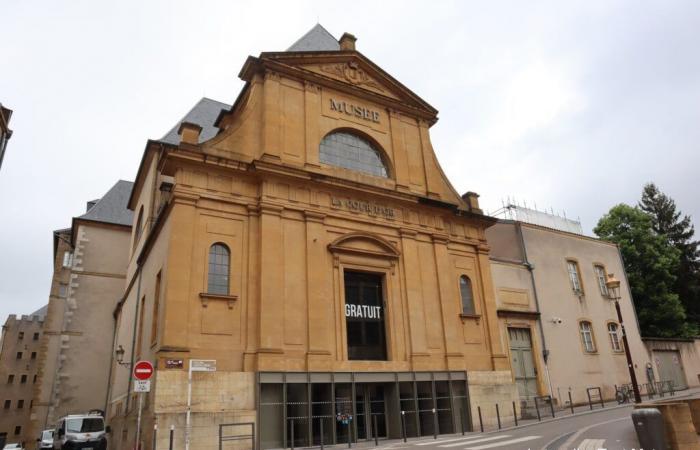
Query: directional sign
[(142, 385), (143, 370), (203, 365)]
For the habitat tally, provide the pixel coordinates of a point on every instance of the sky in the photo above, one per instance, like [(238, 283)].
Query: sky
[(566, 105)]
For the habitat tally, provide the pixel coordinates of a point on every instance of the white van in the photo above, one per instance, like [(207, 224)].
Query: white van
[(46, 439), (81, 431)]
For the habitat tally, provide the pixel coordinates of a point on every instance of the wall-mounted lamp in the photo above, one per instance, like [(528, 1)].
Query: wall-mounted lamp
[(119, 357)]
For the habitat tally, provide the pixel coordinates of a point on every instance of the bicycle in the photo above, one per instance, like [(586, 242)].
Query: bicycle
[(622, 394)]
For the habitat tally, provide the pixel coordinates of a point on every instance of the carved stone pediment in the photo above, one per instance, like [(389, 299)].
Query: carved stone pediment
[(365, 244)]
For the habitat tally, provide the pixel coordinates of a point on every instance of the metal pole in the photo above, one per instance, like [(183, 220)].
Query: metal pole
[(515, 415), (155, 435), (571, 403), (630, 365), (403, 425), (481, 422), (590, 404), (461, 419), (292, 431), (221, 434), (376, 434), (320, 423), (498, 416), (350, 432), (172, 436), (551, 405), (138, 422), (189, 406), (434, 423), (537, 408), (600, 394)]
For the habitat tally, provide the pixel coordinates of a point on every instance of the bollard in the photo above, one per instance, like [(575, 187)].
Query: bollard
[(403, 425), (350, 434), (320, 429), (155, 435), (498, 416), (172, 435), (537, 408), (292, 431), (434, 424), (551, 405), (481, 422), (461, 419), (376, 433), (590, 404), (571, 403), (515, 415), (649, 425)]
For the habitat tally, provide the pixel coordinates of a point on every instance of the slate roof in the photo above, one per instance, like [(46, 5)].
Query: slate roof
[(204, 114), (111, 208), (41, 312), (317, 39)]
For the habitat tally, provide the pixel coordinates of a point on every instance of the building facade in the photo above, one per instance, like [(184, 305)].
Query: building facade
[(556, 319), (21, 338), (5, 131), (307, 241), (88, 280)]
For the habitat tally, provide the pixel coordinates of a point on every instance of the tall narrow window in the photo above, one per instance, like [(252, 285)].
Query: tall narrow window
[(36, 336), (67, 259), (156, 306), (614, 338), (20, 335), (587, 336), (465, 291), (139, 338), (600, 276), (219, 266), (10, 379), (20, 404), (574, 277), (139, 226)]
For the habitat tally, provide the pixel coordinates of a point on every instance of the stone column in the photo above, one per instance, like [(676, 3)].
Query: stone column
[(271, 330), (449, 302)]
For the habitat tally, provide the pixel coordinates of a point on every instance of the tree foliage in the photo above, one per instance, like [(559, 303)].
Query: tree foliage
[(679, 231), (651, 263)]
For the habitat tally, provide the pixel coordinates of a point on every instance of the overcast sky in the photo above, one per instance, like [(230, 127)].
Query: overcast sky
[(569, 105)]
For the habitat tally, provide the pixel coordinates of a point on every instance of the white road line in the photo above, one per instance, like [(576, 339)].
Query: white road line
[(474, 441), (444, 441), (504, 443), (570, 442), (591, 444)]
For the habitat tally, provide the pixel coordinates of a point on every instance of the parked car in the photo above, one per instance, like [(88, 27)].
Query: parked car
[(81, 431), (46, 439), (13, 447)]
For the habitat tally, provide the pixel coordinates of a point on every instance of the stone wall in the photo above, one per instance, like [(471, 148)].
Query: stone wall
[(488, 388)]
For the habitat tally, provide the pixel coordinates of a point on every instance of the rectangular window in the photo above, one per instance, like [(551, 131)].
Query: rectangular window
[(34, 380), (33, 355), (19, 355), (67, 259), (23, 379), (18, 430), (587, 337), (10, 379), (20, 404), (156, 306), (20, 335), (8, 404), (364, 316), (614, 338), (574, 277), (63, 290), (36, 336), (600, 276)]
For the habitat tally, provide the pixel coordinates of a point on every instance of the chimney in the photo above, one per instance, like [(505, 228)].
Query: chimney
[(189, 133), (347, 42), (472, 199)]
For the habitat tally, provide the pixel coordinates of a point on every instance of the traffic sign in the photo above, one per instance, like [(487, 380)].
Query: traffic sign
[(143, 370), (142, 385)]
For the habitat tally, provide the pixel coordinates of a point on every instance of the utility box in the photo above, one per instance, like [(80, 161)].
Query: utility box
[(649, 424)]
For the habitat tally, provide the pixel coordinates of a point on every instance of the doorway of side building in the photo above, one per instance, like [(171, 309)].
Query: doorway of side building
[(670, 367), (523, 364)]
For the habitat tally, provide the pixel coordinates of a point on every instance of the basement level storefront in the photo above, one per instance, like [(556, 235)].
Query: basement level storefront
[(304, 407)]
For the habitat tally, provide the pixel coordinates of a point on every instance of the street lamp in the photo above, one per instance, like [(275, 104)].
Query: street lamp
[(613, 285), (119, 356)]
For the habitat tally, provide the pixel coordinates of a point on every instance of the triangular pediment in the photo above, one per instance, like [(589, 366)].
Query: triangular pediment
[(350, 68)]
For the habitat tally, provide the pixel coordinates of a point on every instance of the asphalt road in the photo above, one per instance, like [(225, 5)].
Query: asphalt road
[(605, 429)]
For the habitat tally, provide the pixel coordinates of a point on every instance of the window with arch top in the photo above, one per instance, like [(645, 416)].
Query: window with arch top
[(219, 266), (465, 291), (350, 151)]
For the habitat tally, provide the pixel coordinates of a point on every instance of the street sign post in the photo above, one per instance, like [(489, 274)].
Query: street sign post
[(196, 365), (143, 371)]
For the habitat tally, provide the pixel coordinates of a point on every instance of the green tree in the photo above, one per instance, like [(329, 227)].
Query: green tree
[(650, 262), (679, 231)]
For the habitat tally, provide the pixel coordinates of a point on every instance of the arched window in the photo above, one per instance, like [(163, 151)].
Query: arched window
[(465, 290), (219, 265), (351, 151), (586, 331), (614, 338)]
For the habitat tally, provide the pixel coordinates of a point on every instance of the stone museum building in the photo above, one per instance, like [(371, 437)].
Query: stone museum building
[(307, 241)]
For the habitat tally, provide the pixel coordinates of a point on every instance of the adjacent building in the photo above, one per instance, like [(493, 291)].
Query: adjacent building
[(21, 338), (5, 132), (307, 241), (90, 261), (556, 318)]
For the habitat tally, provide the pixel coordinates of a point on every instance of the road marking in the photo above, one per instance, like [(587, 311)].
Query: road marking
[(444, 441), (474, 441), (569, 442), (504, 443), (591, 444)]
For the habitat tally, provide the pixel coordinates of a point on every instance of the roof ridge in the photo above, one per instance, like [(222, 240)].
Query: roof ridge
[(313, 44)]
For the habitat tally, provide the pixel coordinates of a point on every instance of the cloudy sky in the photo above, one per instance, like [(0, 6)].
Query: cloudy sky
[(569, 105)]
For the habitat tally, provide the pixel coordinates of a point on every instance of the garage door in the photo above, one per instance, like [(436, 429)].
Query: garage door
[(670, 367)]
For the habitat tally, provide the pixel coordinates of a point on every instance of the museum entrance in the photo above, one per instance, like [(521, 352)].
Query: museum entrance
[(307, 408), (364, 316)]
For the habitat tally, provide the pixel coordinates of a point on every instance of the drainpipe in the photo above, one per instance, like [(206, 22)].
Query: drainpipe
[(133, 340), (531, 268)]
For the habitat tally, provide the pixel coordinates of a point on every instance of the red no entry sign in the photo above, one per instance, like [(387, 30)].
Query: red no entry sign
[(143, 370)]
